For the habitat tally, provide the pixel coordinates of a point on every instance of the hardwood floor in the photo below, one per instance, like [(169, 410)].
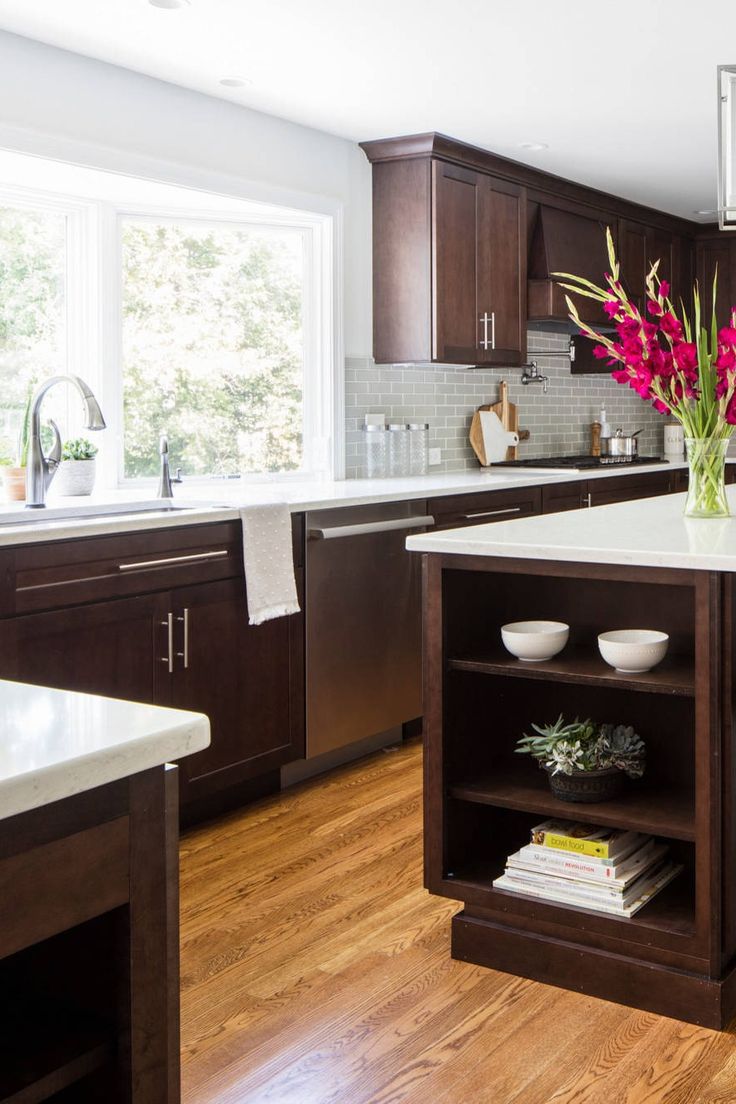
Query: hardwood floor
[(316, 970)]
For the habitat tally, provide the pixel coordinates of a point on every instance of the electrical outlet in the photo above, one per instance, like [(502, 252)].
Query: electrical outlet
[(434, 456)]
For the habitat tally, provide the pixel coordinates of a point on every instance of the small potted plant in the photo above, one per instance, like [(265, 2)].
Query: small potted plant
[(76, 474), (586, 761), (14, 475)]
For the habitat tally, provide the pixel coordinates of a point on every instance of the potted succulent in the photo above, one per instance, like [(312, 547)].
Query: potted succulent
[(77, 470), (586, 761), (14, 475)]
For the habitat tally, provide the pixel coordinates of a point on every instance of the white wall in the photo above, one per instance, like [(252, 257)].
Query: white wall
[(72, 107)]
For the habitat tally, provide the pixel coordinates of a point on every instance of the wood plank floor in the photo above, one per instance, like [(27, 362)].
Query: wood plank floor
[(316, 970)]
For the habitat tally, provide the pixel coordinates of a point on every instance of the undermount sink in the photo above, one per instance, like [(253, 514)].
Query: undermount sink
[(22, 516)]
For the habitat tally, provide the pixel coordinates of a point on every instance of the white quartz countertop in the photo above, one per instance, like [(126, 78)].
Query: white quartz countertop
[(649, 532), (63, 519), (55, 743)]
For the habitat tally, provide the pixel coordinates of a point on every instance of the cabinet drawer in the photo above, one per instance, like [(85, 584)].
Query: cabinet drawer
[(49, 576), (456, 511)]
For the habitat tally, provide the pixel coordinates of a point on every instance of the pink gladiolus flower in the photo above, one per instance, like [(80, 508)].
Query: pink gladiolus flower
[(731, 411), (726, 359), (661, 407), (727, 336), (600, 352), (654, 308), (611, 307), (686, 356), (664, 289), (671, 326)]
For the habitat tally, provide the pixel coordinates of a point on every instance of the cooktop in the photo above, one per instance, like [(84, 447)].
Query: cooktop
[(579, 463)]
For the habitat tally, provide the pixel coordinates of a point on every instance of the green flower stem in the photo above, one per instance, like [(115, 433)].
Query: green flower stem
[(707, 490)]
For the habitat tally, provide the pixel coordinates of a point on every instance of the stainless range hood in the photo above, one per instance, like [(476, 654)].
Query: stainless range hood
[(563, 241)]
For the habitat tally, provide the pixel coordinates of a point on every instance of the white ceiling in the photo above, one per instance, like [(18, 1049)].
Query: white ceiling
[(623, 93)]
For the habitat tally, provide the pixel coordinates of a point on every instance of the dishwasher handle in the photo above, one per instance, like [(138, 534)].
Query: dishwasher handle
[(335, 532)]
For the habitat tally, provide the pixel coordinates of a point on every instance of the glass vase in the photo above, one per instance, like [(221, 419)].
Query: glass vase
[(706, 492)]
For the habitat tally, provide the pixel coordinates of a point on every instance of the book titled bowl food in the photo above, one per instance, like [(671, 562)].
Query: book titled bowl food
[(633, 870)]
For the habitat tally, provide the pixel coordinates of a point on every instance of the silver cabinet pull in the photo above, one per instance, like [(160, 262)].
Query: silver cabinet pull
[(486, 342), (492, 513), (493, 329), (174, 561), (169, 657), (184, 619), (587, 500), (335, 532)]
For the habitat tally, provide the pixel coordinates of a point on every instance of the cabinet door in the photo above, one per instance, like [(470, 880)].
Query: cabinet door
[(456, 214), (716, 255), (479, 268), (118, 649), (639, 247), (502, 272), (247, 679), (557, 497)]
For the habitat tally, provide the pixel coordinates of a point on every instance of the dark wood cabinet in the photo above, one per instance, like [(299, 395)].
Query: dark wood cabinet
[(456, 511), (716, 255), (478, 298), (639, 246), (244, 677), (109, 648), (557, 497), (449, 265), (183, 640)]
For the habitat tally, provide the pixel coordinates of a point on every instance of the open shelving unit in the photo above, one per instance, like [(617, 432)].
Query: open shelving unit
[(481, 798)]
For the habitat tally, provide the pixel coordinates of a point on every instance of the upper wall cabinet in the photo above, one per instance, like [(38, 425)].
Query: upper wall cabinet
[(449, 265), (717, 254), (478, 231), (451, 224), (639, 246)]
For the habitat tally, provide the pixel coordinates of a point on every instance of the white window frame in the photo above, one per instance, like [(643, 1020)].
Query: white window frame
[(94, 322)]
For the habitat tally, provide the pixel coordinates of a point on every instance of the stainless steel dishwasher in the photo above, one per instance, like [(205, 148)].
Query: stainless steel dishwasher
[(363, 622)]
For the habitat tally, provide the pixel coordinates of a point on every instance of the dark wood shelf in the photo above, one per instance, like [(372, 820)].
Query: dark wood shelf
[(643, 807), (48, 1053), (672, 910), (674, 675)]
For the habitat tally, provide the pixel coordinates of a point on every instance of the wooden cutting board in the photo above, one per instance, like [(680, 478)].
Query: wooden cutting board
[(509, 416)]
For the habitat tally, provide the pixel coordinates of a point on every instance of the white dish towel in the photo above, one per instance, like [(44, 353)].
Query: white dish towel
[(269, 562)]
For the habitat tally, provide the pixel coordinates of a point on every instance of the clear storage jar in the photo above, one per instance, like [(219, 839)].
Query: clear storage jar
[(375, 452), (418, 448), (398, 449)]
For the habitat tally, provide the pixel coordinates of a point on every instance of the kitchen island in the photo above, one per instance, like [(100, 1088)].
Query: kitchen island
[(89, 896), (632, 565)]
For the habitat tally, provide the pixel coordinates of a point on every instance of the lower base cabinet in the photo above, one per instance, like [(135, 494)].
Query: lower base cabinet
[(188, 647)]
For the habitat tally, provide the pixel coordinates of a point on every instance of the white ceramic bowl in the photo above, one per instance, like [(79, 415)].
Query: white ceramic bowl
[(535, 641), (633, 651)]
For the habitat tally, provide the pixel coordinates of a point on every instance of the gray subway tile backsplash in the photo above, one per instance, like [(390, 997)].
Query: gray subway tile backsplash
[(447, 398)]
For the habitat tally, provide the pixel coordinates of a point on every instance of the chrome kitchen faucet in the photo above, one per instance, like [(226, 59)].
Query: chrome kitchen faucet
[(165, 490), (42, 469)]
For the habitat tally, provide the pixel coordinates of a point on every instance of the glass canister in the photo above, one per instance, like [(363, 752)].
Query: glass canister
[(418, 448), (398, 448), (375, 452)]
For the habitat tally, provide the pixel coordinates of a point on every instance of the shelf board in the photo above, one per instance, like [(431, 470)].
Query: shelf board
[(674, 675), (672, 910), (47, 1054), (641, 807)]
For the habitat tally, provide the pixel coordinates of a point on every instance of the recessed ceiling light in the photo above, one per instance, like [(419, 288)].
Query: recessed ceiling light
[(169, 5), (533, 145), (234, 82), (703, 212)]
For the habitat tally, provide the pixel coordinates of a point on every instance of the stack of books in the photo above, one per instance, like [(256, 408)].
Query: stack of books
[(604, 869)]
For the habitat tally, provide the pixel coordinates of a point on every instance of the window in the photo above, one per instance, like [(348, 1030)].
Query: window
[(205, 317), (33, 323)]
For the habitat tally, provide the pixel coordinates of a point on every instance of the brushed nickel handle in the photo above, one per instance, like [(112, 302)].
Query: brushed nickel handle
[(169, 657), (587, 500), (185, 621), (174, 561), (359, 530), (493, 329), (492, 513)]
